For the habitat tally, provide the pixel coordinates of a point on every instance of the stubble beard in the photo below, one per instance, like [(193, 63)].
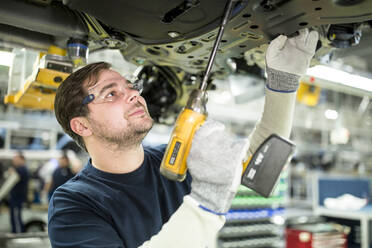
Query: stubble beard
[(131, 136)]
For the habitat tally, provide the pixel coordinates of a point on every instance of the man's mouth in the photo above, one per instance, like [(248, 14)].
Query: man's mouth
[(138, 112)]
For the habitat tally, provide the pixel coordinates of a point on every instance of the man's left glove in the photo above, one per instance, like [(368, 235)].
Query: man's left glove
[(287, 59), (215, 164)]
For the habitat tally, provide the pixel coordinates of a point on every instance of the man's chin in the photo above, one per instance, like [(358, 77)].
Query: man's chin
[(150, 123), (146, 124)]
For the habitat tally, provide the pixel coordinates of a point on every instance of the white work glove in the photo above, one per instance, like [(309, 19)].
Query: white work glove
[(287, 59), (215, 164)]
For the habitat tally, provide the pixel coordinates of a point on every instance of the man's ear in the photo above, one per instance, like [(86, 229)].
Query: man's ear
[(80, 126)]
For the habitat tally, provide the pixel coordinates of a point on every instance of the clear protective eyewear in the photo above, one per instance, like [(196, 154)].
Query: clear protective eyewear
[(112, 90)]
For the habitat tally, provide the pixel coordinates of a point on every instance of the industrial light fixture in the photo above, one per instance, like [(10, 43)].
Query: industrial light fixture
[(341, 77), (331, 114), (6, 58)]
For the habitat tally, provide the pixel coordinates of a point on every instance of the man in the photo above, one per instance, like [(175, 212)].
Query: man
[(18, 194), (62, 174), (120, 199)]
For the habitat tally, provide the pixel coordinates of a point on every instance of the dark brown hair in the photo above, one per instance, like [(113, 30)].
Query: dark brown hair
[(70, 95)]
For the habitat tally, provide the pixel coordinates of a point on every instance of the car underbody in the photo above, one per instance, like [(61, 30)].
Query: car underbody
[(170, 41)]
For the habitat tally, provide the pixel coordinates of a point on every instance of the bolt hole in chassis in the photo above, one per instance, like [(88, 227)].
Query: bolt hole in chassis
[(171, 40)]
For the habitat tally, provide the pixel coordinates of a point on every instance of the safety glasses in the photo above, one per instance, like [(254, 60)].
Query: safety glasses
[(112, 90)]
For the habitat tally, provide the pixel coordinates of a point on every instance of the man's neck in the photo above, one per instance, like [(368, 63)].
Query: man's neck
[(117, 160)]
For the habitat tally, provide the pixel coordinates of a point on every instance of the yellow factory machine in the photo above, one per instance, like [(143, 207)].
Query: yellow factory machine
[(51, 69), (39, 90)]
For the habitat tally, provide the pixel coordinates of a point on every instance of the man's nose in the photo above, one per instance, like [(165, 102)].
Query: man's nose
[(132, 95)]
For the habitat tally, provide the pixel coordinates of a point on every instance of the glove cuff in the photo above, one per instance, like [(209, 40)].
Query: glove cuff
[(281, 81), (214, 198)]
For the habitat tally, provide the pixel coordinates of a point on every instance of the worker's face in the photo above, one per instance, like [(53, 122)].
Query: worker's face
[(118, 114), (17, 161), (63, 162)]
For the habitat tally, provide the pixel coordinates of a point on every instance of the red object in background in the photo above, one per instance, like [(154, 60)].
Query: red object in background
[(312, 80), (316, 236)]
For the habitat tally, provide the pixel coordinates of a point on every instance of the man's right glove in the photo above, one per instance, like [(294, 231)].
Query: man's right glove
[(215, 164), (287, 59)]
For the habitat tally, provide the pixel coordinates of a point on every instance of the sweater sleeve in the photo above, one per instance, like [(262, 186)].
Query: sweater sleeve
[(189, 226)]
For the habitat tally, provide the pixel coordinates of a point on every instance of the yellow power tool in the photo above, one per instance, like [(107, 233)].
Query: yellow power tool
[(173, 165)]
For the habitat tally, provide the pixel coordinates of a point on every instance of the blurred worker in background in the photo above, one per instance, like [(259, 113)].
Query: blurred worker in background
[(62, 174), (120, 199), (18, 194), (58, 168), (46, 174)]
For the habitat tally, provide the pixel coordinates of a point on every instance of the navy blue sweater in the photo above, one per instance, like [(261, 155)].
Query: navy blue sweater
[(100, 209)]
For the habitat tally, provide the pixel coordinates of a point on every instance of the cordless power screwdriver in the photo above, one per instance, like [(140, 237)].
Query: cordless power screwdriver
[(260, 171), (173, 165)]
